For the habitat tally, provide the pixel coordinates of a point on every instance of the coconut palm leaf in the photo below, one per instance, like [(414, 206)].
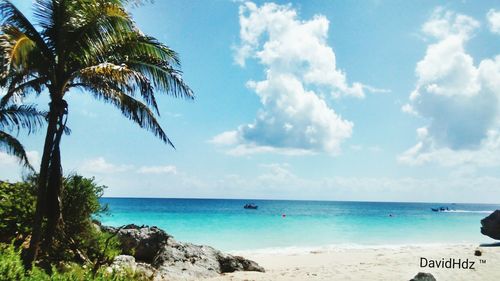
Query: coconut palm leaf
[(13, 147), (11, 16), (124, 78), (20, 90), (17, 117), (131, 108)]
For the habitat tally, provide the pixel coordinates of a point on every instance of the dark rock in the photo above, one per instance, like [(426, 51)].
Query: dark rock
[(490, 226), (477, 253), (421, 276), (142, 242), (230, 263), (169, 259)]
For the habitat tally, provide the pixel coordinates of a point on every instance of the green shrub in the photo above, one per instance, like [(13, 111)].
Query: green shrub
[(78, 239), (11, 269), (17, 206)]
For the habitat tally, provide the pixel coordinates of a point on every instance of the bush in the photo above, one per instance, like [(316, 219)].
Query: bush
[(78, 239), (17, 206), (11, 269)]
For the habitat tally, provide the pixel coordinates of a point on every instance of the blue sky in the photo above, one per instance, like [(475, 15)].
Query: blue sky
[(367, 100)]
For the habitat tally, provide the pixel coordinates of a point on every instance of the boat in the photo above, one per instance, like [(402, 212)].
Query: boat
[(440, 209), (251, 206)]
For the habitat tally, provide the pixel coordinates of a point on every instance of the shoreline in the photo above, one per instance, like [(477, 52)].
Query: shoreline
[(294, 250), (372, 263)]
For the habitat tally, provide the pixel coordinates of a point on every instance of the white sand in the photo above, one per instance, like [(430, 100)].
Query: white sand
[(371, 263)]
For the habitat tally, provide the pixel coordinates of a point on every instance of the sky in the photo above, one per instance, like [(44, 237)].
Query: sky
[(317, 100)]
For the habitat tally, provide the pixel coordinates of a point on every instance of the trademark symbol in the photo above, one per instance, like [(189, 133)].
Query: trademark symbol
[(482, 261)]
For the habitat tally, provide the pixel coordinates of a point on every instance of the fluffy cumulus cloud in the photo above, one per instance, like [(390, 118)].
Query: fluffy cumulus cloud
[(460, 99), (300, 71), (493, 17)]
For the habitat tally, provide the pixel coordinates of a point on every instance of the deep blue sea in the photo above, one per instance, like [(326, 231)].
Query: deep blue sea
[(226, 225)]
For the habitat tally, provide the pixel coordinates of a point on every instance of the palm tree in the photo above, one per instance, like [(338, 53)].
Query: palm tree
[(15, 118), (92, 45)]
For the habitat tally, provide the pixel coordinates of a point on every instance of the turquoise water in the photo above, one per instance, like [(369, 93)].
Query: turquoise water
[(224, 224)]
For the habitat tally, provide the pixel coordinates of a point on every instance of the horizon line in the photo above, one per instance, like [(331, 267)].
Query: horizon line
[(310, 200)]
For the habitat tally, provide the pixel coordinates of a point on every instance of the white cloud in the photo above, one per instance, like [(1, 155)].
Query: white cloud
[(226, 138), (300, 68), (493, 17), (458, 98), (101, 166), (276, 174), (291, 46), (278, 181), (443, 24), (426, 151), (6, 159), (169, 169), (33, 158)]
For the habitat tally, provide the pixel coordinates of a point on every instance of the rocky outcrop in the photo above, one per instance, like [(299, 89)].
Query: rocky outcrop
[(421, 276), (490, 225), (143, 243), (169, 259)]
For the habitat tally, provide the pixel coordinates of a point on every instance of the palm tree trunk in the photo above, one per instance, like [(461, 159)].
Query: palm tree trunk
[(54, 186), (31, 254)]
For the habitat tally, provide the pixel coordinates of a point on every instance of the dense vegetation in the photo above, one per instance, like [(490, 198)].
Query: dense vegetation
[(12, 269), (79, 243)]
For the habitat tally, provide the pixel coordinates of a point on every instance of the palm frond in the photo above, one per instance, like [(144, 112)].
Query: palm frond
[(16, 117), (121, 77), (11, 16), (19, 54), (131, 108), (164, 77), (19, 89), (136, 3), (96, 26), (146, 55), (13, 147), (15, 47)]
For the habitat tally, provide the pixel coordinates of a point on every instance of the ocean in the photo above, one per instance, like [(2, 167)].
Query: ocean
[(284, 224)]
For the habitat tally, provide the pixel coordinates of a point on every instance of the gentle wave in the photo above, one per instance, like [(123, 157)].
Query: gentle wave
[(296, 250), (467, 211)]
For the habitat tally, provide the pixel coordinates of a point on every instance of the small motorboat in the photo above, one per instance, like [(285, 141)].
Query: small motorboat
[(251, 206), (440, 209)]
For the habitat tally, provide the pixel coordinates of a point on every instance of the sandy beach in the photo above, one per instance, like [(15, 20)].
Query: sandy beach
[(384, 263)]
